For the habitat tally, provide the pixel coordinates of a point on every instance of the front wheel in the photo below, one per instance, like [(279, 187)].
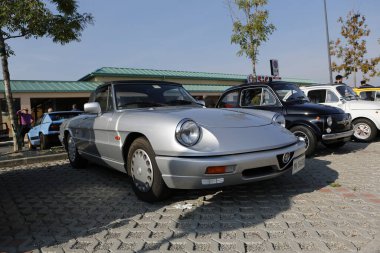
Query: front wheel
[(364, 130), (43, 142), (148, 184), (76, 160), (308, 136), (30, 145)]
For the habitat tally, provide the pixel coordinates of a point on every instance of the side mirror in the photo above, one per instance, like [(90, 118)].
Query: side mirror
[(93, 107), (342, 100)]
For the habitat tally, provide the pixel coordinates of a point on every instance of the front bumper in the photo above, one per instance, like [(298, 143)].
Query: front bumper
[(337, 136), (189, 172)]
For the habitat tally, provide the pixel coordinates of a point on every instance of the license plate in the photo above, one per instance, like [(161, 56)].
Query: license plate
[(298, 164)]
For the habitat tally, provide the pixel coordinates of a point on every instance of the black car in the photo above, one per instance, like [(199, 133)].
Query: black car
[(312, 122)]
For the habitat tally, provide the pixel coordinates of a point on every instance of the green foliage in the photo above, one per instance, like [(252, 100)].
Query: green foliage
[(252, 29), (34, 19), (55, 19), (353, 48)]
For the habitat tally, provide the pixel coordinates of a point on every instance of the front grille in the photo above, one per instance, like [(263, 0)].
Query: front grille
[(257, 172)]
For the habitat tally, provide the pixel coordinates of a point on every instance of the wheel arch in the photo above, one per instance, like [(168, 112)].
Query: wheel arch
[(360, 118), (316, 131), (131, 137)]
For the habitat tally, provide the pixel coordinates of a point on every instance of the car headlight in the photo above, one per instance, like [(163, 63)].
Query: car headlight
[(329, 121), (279, 119), (187, 132)]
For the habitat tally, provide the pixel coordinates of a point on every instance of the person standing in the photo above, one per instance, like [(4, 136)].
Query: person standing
[(339, 79), (74, 108), (26, 121)]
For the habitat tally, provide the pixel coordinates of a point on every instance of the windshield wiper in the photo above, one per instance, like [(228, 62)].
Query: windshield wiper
[(140, 104), (179, 102)]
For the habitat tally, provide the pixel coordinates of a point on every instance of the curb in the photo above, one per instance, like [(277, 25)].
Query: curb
[(30, 160)]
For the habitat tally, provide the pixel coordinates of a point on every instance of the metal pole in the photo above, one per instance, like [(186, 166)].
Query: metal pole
[(328, 43)]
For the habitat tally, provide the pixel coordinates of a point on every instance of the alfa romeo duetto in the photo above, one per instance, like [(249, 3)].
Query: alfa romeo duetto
[(159, 135)]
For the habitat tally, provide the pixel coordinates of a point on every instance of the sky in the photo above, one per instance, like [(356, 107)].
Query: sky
[(192, 36)]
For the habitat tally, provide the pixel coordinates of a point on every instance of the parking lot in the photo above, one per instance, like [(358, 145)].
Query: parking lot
[(333, 205)]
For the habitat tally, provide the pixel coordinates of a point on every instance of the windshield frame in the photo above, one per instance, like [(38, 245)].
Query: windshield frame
[(292, 87), (151, 95), (343, 93)]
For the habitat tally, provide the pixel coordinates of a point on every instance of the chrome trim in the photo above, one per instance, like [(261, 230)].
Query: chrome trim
[(337, 135)]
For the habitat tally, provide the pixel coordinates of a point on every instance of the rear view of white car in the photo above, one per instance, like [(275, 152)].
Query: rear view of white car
[(365, 114)]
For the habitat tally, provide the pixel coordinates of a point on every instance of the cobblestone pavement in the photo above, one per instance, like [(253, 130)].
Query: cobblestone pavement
[(333, 205)]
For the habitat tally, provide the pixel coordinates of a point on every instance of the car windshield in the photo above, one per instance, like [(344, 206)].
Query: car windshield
[(347, 92), (289, 93), (143, 95), (61, 116)]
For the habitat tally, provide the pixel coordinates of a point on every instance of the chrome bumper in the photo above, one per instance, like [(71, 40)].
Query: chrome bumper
[(327, 137)]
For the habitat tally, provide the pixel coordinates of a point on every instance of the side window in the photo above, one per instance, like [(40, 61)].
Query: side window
[(257, 97), (230, 100), (317, 96), (331, 97), (251, 97), (104, 97), (368, 95), (377, 96)]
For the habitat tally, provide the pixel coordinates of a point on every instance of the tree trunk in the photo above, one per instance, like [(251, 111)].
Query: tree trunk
[(8, 95)]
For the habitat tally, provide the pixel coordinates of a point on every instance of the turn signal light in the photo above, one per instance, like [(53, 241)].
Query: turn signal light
[(219, 169)]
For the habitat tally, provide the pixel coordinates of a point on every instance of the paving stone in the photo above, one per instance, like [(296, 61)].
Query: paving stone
[(51, 207)]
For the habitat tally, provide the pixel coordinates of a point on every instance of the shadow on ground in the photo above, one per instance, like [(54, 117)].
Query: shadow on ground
[(95, 209)]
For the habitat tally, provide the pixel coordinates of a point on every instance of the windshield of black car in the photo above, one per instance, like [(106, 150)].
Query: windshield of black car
[(61, 116), (346, 92), (289, 93), (141, 95)]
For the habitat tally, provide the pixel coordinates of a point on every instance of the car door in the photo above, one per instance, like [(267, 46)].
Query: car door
[(260, 98), (325, 96), (97, 125), (34, 131)]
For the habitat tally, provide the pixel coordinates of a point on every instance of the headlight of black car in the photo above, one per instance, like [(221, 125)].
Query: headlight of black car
[(188, 132), (329, 121), (279, 119)]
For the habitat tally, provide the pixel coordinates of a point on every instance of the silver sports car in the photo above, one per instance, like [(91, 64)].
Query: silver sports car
[(158, 134)]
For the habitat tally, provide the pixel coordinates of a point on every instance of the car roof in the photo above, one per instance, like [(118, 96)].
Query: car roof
[(322, 85), (143, 82), (270, 84)]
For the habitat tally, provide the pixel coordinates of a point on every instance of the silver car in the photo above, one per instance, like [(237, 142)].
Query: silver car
[(158, 134)]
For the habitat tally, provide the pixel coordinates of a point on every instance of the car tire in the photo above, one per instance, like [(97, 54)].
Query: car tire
[(43, 142), (335, 145), (364, 130), (147, 183), (75, 159), (30, 145), (308, 136)]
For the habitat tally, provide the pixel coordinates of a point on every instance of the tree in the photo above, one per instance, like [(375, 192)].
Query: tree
[(251, 29), (56, 19), (353, 48)]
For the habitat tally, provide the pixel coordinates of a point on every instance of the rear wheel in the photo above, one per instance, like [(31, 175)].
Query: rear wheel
[(43, 142), (147, 179), (364, 130), (76, 160), (308, 136)]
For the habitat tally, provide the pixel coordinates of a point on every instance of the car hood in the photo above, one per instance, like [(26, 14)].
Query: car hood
[(363, 105), (312, 109), (224, 132), (208, 117)]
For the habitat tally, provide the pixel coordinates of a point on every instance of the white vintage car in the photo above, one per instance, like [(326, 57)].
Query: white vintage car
[(365, 114), (158, 134)]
